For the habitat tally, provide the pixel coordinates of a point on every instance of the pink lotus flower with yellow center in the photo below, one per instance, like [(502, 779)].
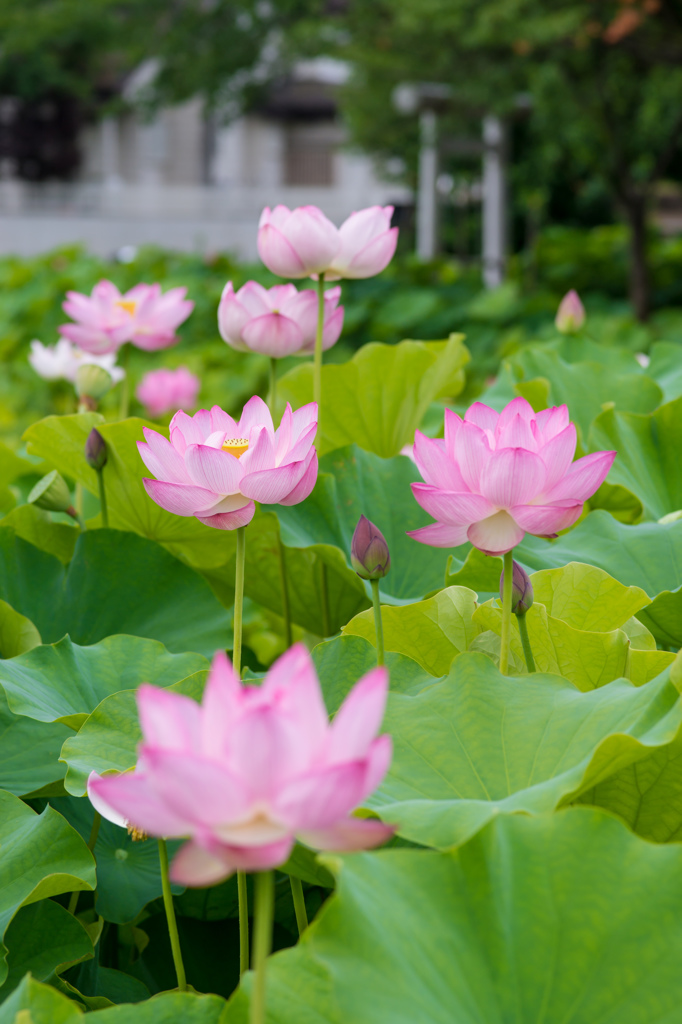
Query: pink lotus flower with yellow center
[(214, 467), (497, 476), (252, 769)]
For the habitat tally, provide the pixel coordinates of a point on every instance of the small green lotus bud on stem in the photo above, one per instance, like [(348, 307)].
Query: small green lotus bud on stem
[(522, 590), (52, 494), (369, 554), (92, 383), (95, 450)]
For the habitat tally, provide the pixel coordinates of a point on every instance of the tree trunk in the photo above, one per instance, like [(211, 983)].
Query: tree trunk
[(640, 290)]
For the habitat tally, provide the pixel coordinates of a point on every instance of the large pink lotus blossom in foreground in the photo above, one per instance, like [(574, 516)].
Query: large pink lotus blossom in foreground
[(303, 242), (279, 321), (162, 390), (252, 769), (496, 476), (214, 467), (106, 319)]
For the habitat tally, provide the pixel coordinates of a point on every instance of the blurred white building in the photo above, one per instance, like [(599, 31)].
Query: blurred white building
[(187, 182)]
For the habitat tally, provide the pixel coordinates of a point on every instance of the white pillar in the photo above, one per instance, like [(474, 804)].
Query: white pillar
[(494, 202), (109, 143), (151, 151), (427, 199)]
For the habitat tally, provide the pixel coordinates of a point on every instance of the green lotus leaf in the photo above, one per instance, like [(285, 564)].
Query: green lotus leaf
[(29, 751), (648, 449), (64, 682), (379, 397), (61, 440), (116, 583), (430, 632), (108, 739), (567, 917), (586, 597), (664, 617), (478, 744), (43, 938), (342, 661), (17, 633), (352, 483), (666, 369), (35, 1003), (36, 526), (42, 856)]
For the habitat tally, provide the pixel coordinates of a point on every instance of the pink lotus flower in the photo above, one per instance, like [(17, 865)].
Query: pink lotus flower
[(571, 313), (277, 322), (215, 468), (303, 242), (253, 768), (496, 476), (162, 390), (106, 319)]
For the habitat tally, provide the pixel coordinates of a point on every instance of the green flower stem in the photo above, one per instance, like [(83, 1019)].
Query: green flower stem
[(239, 600), (317, 364), (525, 641), (284, 586), (124, 362), (243, 899), (102, 497), (170, 917), (272, 400), (506, 611), (299, 904), (378, 622), (324, 600), (237, 662), (94, 832), (262, 941), (71, 511)]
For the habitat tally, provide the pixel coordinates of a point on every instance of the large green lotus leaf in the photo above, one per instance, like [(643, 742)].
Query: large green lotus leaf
[(63, 682), (648, 449), (29, 752), (477, 571), (128, 873), (108, 739), (17, 633), (43, 938), (116, 583), (618, 501), (42, 856), (664, 617), (478, 744), (342, 661), (35, 1003), (431, 632), (352, 483), (587, 659), (61, 440), (666, 369), (586, 597), (345, 593), (12, 465), (36, 526), (563, 918), (378, 398)]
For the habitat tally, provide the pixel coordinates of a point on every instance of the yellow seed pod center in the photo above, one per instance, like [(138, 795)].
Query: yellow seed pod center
[(235, 445), (128, 305)]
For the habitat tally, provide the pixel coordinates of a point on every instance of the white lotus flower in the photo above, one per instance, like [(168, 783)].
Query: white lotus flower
[(63, 360)]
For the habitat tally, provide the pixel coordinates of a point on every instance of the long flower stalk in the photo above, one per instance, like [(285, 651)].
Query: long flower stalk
[(125, 383), (263, 917), (283, 580), (317, 363), (525, 642), (94, 832), (102, 497), (378, 621), (299, 904), (506, 611), (170, 917), (237, 662)]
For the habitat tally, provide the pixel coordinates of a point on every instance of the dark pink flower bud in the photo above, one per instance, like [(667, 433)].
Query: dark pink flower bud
[(369, 554), (522, 590), (95, 450)]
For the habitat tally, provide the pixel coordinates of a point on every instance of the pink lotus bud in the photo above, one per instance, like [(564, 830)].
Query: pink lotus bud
[(495, 476), (162, 390), (522, 590), (369, 554), (215, 467), (277, 322), (302, 242), (571, 313), (95, 450), (251, 769)]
